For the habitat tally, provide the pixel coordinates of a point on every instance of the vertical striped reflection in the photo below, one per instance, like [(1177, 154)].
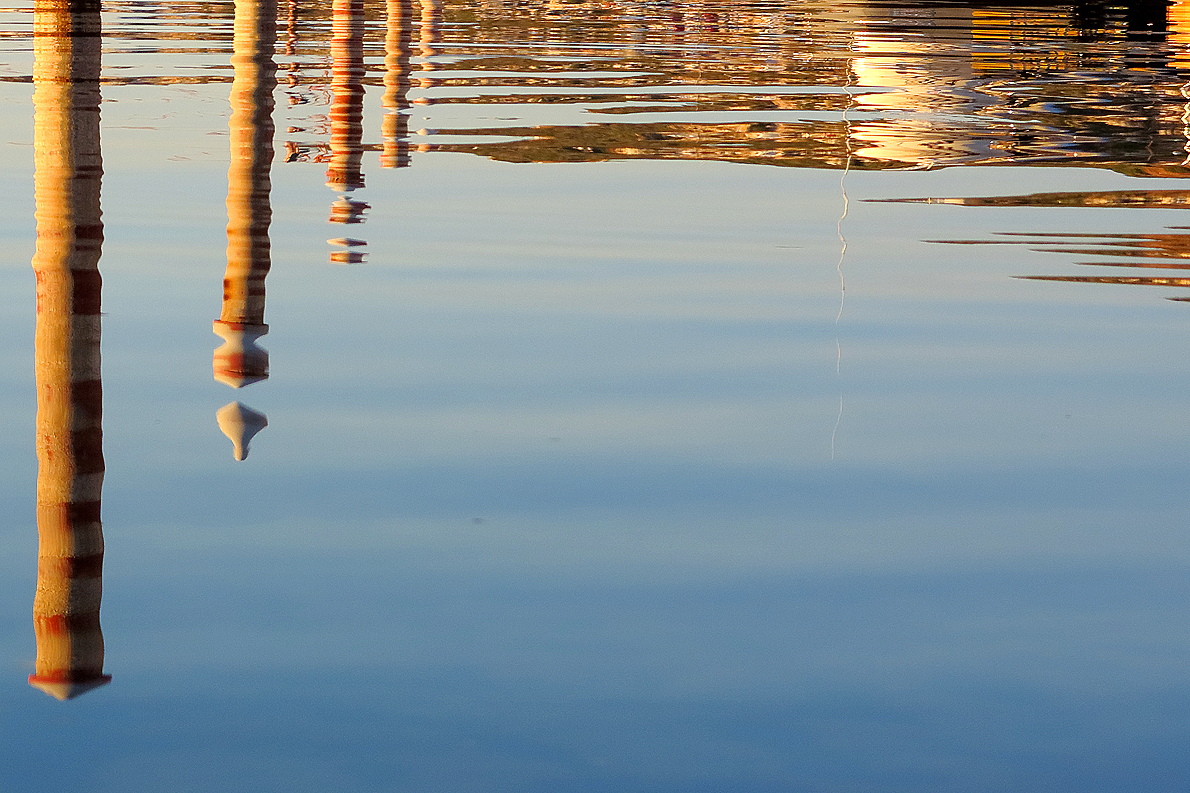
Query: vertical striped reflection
[(394, 128), (240, 361), (347, 127), (67, 368)]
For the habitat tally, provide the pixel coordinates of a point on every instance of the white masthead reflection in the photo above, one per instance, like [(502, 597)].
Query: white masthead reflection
[(240, 360)]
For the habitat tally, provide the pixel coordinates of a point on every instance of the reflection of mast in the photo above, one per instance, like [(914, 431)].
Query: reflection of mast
[(347, 114), (395, 126), (69, 169), (239, 361)]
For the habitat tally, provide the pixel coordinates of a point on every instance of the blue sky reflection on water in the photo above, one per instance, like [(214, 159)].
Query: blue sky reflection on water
[(556, 492)]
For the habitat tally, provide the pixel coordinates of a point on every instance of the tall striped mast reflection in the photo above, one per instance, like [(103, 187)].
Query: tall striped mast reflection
[(347, 128), (240, 361), (398, 41), (67, 181)]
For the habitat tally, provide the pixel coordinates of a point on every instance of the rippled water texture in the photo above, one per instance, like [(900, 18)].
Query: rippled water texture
[(504, 395)]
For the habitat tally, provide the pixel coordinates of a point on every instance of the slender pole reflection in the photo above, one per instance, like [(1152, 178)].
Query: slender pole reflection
[(397, 44), (291, 32), (429, 31), (240, 360), (296, 94), (347, 128), (70, 466), (428, 34)]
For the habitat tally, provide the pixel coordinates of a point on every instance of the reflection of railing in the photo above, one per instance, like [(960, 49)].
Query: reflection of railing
[(1168, 250), (69, 169), (1165, 247)]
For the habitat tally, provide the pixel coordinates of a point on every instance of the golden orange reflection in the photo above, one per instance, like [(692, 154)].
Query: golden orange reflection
[(902, 85), (876, 85), (1179, 32), (70, 467)]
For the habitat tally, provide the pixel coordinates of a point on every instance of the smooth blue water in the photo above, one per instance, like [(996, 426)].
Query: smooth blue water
[(590, 477)]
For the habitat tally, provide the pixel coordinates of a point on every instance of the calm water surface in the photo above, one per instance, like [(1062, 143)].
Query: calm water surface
[(652, 400)]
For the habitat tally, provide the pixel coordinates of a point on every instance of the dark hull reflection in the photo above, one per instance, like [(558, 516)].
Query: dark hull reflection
[(70, 650)]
